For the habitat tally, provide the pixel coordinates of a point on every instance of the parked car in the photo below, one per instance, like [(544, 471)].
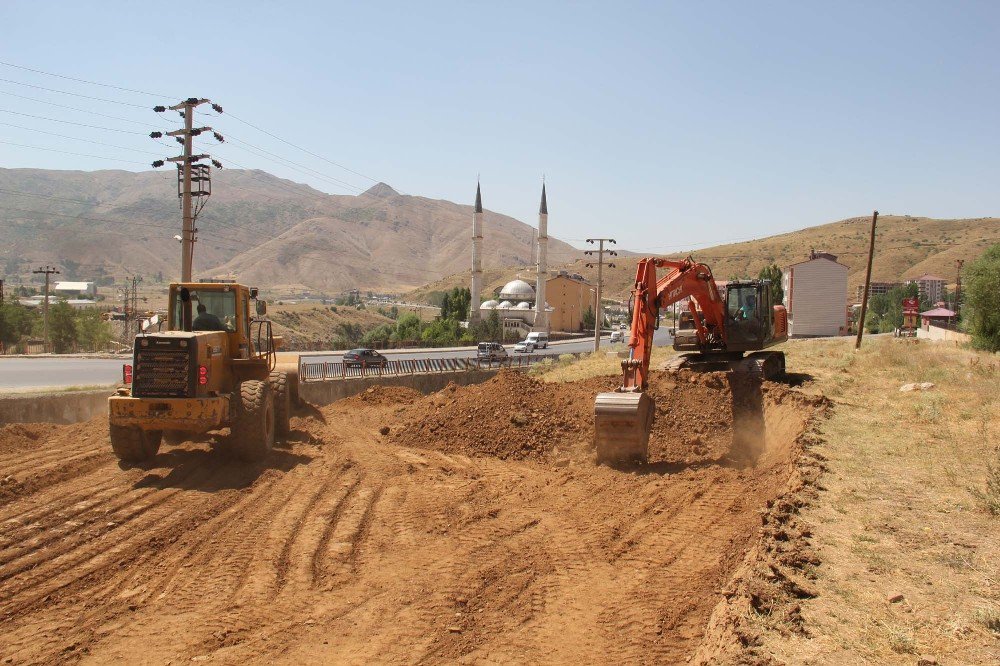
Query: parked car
[(540, 340), (617, 336), (525, 346), (491, 351), (364, 357)]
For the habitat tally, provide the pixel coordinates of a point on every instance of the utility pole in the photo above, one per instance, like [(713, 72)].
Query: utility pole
[(598, 318), (958, 286), (48, 270), (868, 281), (193, 180)]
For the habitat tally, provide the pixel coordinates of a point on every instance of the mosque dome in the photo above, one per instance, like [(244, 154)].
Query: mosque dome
[(488, 305), (524, 305), (506, 304), (517, 290)]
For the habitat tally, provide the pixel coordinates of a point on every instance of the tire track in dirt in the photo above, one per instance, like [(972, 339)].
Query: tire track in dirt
[(91, 552)]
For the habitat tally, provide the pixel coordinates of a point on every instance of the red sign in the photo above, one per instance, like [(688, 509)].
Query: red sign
[(911, 304)]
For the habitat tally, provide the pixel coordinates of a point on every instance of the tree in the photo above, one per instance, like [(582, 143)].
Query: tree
[(588, 319), (885, 311), (408, 327), (62, 327), (93, 333), (773, 273), (16, 322), (981, 300)]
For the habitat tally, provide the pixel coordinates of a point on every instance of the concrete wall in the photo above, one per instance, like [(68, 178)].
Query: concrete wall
[(76, 406), (69, 407), (935, 333), (323, 393)]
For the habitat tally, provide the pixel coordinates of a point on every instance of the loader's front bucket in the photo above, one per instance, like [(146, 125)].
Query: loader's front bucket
[(622, 422)]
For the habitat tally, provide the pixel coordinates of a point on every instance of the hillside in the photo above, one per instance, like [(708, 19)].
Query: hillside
[(905, 247), (255, 227)]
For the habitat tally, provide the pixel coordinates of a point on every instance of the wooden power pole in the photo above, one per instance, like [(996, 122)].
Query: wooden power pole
[(598, 318), (868, 281), (194, 180), (958, 285), (48, 270)]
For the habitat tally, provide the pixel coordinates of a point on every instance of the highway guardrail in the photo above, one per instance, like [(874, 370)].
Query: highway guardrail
[(325, 371)]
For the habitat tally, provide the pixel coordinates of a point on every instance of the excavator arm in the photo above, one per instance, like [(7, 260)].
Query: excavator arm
[(624, 418), (683, 280)]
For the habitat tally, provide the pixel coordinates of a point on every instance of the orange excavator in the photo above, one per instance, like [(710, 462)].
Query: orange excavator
[(725, 327)]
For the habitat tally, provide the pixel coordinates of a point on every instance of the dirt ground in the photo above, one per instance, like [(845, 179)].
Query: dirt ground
[(466, 526)]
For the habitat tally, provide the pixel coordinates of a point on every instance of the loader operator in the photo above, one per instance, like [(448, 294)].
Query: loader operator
[(206, 321)]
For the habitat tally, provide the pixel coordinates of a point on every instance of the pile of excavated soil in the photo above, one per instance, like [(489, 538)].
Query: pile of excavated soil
[(24, 436), (387, 395), (514, 416), (510, 416)]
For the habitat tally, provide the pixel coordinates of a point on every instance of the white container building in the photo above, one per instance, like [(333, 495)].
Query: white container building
[(816, 296)]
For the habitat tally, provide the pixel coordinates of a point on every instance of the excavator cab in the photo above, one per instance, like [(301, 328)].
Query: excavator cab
[(747, 326)]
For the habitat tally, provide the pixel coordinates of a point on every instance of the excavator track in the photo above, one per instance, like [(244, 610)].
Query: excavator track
[(763, 365)]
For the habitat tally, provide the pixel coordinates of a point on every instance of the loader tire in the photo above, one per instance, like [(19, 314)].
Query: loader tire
[(133, 444), (282, 403), (253, 423)]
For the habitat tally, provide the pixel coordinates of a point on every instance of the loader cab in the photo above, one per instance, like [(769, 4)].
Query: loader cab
[(223, 307), (748, 320)]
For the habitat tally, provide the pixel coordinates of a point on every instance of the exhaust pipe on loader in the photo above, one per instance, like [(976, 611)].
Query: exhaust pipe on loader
[(622, 422)]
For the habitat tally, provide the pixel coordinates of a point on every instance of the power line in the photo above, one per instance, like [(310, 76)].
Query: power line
[(70, 122), (309, 152), (67, 152), (74, 108), (229, 137), (70, 78), (66, 92), (86, 219), (76, 138)]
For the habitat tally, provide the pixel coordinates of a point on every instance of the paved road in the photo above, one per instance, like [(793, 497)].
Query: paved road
[(54, 372), (27, 373)]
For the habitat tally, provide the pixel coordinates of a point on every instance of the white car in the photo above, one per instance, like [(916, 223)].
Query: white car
[(617, 336), (525, 346)]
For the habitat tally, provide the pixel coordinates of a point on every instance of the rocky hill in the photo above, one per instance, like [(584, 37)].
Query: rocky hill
[(255, 227), (905, 247)]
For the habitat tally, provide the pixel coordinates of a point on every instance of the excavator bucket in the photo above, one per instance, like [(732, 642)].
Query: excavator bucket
[(622, 422)]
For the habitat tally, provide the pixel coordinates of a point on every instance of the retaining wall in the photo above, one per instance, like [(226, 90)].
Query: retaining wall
[(69, 407), (323, 393), (75, 406), (936, 333)]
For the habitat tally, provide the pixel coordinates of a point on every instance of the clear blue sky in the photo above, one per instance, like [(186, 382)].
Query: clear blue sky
[(667, 125)]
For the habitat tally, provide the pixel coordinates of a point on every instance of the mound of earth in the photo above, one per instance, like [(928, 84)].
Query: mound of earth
[(510, 416), (387, 395)]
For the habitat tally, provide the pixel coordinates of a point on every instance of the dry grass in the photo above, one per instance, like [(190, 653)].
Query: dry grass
[(906, 505), (568, 368)]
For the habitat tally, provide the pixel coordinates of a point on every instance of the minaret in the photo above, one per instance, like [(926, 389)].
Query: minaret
[(477, 265), (541, 316)]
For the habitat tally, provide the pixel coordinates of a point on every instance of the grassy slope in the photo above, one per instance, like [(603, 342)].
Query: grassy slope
[(310, 326), (900, 513), (905, 247)]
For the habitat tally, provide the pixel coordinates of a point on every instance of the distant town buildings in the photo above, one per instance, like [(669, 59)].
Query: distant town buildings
[(876, 289), (815, 292), (75, 290), (937, 316), (568, 296), (931, 287)]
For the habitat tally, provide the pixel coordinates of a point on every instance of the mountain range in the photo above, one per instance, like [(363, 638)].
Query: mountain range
[(255, 227)]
